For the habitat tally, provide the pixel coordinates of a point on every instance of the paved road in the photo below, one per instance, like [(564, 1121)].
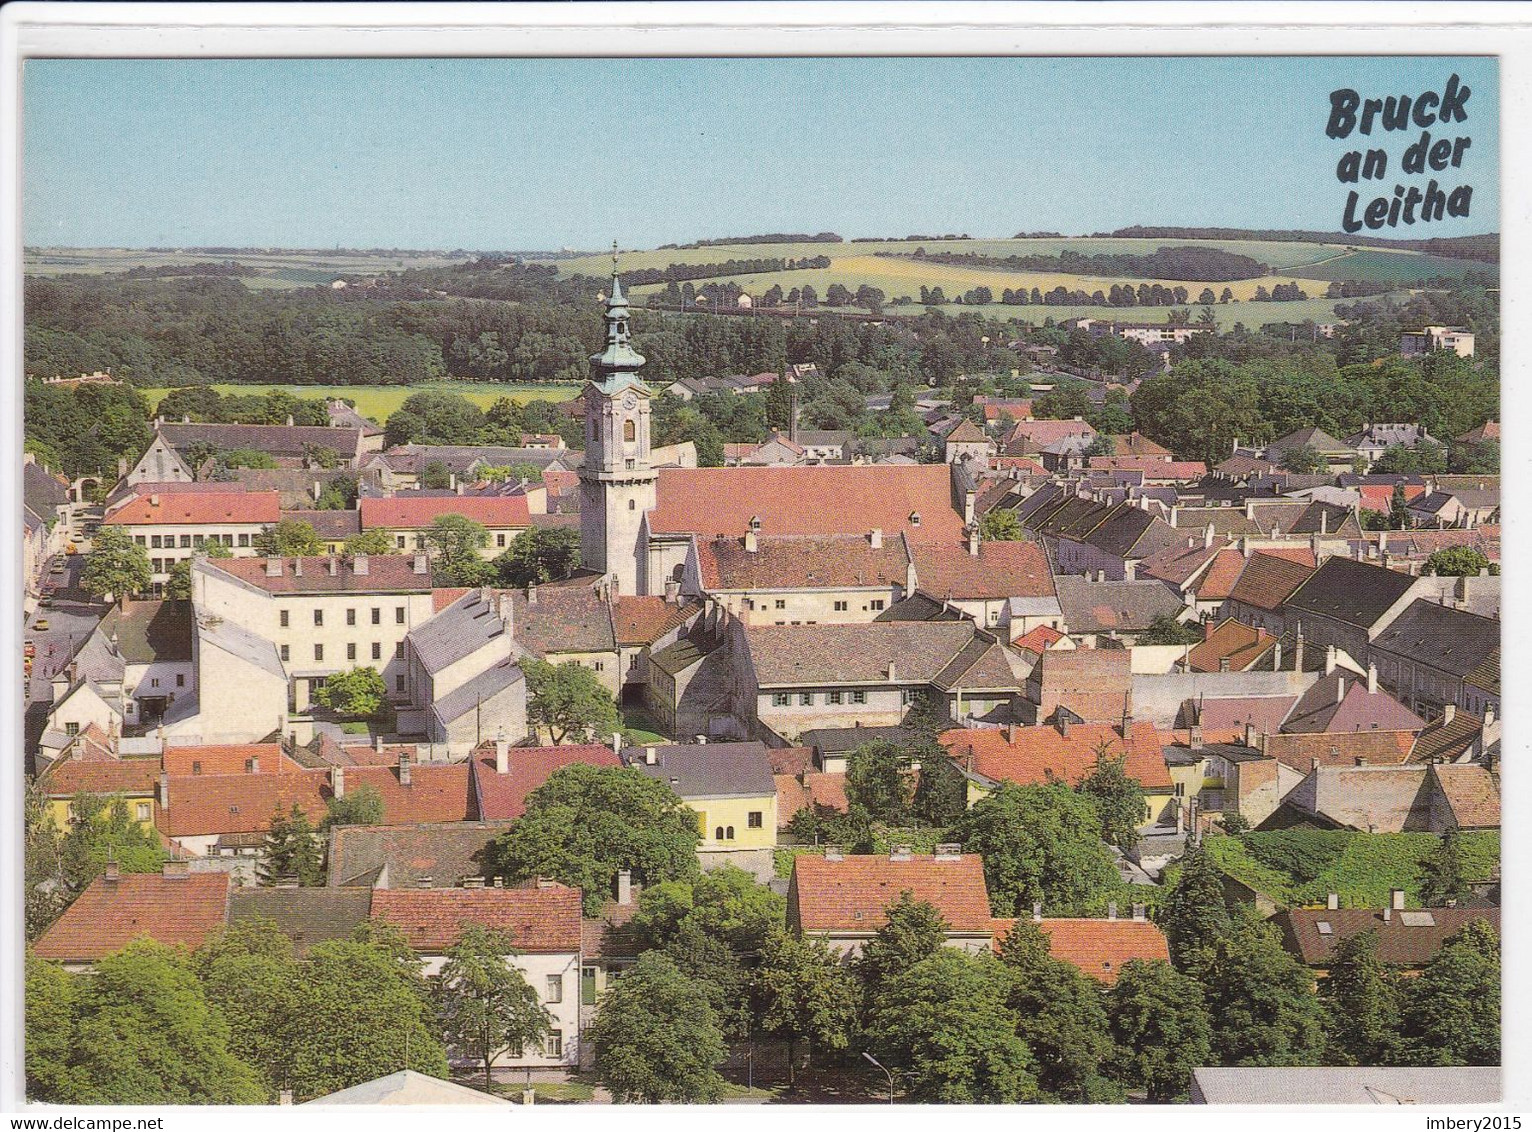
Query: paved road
[(71, 615)]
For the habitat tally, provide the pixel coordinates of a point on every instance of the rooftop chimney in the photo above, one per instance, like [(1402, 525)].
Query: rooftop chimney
[(338, 781), (331, 566), (1332, 901), (1111, 910), (624, 887), (419, 565), (1372, 678), (164, 791), (404, 768), (1396, 899), (1140, 912), (651, 756), (176, 870), (273, 567), (949, 851), (973, 539), (1449, 713), (1037, 912), (154, 501), (111, 875), (297, 566), (833, 853), (1063, 723), (502, 756), (672, 591), (360, 566), (1330, 659), (253, 764), (875, 537), (425, 882), (473, 882)]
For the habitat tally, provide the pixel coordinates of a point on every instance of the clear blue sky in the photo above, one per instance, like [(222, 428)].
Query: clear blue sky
[(534, 154)]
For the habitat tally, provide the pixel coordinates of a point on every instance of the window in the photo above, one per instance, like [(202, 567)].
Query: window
[(196, 766), (841, 606), (728, 833), (420, 542), (350, 617), (554, 1046), (318, 652), (377, 651), (859, 697), (398, 615), (753, 819), (228, 540), (180, 680), (399, 682), (629, 464), (284, 652), (318, 617), (598, 665), (632, 505), (71, 729), (159, 565), (350, 650), (781, 699), (906, 697), (781, 603), (718, 834), (143, 811), (198, 540), (244, 540), (282, 618), (377, 616), (400, 540), (835, 697), (186, 541), (500, 538), (154, 682), (629, 431), (806, 699), (555, 988), (399, 650), (154, 541), (875, 604)]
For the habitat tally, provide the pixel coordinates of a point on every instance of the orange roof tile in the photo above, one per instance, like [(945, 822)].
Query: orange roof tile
[(504, 796), (1217, 583), (201, 508), (851, 894), (1268, 580), (417, 513), (538, 919), (1233, 641), (1002, 568), (108, 915), (71, 776), (230, 758), (1038, 639), (1034, 754), (1098, 948), (644, 620)]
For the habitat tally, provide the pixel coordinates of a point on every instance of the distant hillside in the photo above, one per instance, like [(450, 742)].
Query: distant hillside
[(1485, 248)]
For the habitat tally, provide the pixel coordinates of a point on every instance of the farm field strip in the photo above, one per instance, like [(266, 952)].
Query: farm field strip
[(376, 402)]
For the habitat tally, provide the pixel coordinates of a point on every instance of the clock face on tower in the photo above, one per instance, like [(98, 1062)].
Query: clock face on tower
[(629, 401)]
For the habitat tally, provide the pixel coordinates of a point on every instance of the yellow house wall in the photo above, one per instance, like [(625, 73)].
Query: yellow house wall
[(60, 809), (715, 812)]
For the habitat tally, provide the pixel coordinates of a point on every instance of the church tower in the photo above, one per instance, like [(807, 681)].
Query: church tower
[(616, 480)]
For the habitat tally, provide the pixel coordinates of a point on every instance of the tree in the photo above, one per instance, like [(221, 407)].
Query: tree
[(289, 538), (1000, 525), (1398, 509), (360, 806), (251, 977), (456, 541), (944, 1026), (1159, 1027), (878, 779), (365, 1012), (375, 541), (657, 1039), (359, 691), (1459, 562), (116, 565), (1452, 1011), (725, 903), (912, 930), (435, 476), (539, 555), (1425, 458), (569, 701), (1476, 458), (586, 822), (806, 994), (1303, 459), (1059, 1015), (1361, 999), (487, 1006), (941, 794), (178, 585), (1039, 843), (1194, 913), (1101, 444), (103, 830), (50, 1006), (1166, 630), (1261, 1001), (1119, 799), (1442, 881), (146, 1035), (291, 849)]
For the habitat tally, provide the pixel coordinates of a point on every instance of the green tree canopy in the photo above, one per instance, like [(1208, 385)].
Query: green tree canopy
[(455, 541), (912, 930), (1261, 1001), (116, 567), (878, 779), (539, 555), (569, 702), (1459, 562), (1059, 1015), (1000, 525), (942, 1025), (375, 541), (50, 1005), (1442, 879), (357, 691), (291, 849), (1194, 914), (362, 805), (807, 995), (1119, 798), (1166, 630), (726, 903), (289, 537), (251, 976), (586, 823), (487, 1005), (1159, 1027), (1039, 843), (657, 1038), (1361, 999), (1452, 1011)]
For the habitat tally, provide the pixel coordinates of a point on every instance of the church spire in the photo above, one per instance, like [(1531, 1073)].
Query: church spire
[(618, 363)]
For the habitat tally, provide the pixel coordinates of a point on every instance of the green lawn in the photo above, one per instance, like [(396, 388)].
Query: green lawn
[(376, 402)]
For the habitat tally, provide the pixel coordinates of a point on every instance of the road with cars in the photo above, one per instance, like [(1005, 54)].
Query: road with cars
[(58, 627)]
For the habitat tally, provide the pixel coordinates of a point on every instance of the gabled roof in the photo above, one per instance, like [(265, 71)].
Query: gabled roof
[(305, 915), (542, 920), (967, 432), (1268, 580), (644, 620), (1036, 755), (1233, 643), (1316, 438), (1405, 939), (1098, 948), (1177, 563), (920, 652), (69, 776), (1128, 607), (150, 631), (1351, 592), (549, 620), (707, 770), (1486, 674), (1370, 799), (801, 562), (1472, 794), (464, 627), (201, 508), (110, 914), (1340, 748), (1232, 713), (1450, 640), (400, 856), (1447, 740), (850, 896), (386, 574), (1003, 568), (416, 513), (291, 441), (1217, 583), (502, 797), (1340, 701)]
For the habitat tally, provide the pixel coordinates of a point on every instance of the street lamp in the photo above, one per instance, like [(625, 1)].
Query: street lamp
[(886, 1073)]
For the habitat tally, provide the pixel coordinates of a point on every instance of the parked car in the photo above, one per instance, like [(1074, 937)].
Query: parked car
[(41, 624), (29, 650)]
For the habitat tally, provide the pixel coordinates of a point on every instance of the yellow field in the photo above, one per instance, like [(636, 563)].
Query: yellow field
[(376, 402)]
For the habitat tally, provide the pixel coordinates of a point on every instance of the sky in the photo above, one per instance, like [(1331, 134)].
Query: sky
[(539, 154)]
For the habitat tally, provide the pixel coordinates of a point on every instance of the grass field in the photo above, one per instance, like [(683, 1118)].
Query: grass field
[(1380, 266), (376, 402), (278, 270), (1253, 315)]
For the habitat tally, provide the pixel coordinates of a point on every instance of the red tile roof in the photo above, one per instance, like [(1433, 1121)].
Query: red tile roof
[(71, 776), (229, 758), (443, 596), (1038, 639), (203, 509), (504, 796), (417, 513), (814, 500), (108, 915), (1472, 792), (1098, 948), (1001, 569), (1410, 939), (1045, 432), (1340, 748), (850, 895), (1218, 581), (644, 620), (386, 574), (539, 920), (1269, 580), (1152, 467), (1033, 754), (1233, 641), (801, 562)]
